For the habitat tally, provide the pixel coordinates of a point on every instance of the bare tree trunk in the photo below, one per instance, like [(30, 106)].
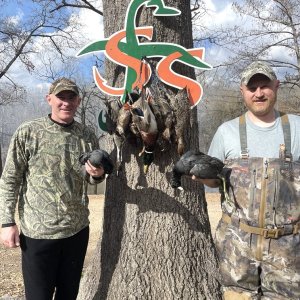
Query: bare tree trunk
[(1, 168), (156, 242)]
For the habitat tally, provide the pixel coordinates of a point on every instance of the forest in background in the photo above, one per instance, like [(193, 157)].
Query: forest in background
[(42, 44)]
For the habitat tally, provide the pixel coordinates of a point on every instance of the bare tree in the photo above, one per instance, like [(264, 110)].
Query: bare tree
[(221, 103), (92, 103), (21, 38), (11, 93), (263, 30), (17, 39), (82, 4), (268, 30), (275, 27)]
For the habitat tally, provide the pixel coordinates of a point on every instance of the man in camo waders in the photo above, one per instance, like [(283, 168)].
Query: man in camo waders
[(258, 238)]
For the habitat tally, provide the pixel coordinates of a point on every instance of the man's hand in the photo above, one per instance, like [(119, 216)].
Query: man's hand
[(212, 183), (98, 159), (93, 171), (10, 236)]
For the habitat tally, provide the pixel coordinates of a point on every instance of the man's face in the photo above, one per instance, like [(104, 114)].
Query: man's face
[(260, 95), (63, 106)]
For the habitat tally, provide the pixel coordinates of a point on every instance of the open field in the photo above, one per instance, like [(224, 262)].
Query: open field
[(11, 282)]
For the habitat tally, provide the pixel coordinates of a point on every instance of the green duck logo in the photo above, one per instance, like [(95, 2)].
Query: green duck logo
[(124, 48)]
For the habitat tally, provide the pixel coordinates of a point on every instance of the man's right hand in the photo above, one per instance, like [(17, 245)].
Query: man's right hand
[(212, 183), (10, 236)]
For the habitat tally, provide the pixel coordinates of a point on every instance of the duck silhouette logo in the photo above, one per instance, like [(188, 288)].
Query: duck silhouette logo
[(125, 49)]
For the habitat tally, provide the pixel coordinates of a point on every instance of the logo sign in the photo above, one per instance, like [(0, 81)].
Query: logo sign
[(125, 49)]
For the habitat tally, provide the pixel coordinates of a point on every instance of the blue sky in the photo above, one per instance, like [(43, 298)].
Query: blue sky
[(20, 10), (220, 12)]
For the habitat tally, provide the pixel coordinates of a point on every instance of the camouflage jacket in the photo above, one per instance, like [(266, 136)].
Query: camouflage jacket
[(43, 174)]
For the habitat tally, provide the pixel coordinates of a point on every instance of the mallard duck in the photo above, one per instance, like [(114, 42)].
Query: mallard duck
[(196, 163), (149, 140), (144, 124)]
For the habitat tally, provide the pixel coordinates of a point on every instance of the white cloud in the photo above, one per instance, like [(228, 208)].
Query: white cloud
[(93, 25), (219, 13), (14, 20)]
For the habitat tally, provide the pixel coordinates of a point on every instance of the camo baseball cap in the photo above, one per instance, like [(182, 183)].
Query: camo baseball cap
[(63, 84), (257, 68)]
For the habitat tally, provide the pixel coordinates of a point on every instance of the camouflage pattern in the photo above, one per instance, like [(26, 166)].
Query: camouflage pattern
[(257, 68), (63, 84), (42, 163), (263, 193)]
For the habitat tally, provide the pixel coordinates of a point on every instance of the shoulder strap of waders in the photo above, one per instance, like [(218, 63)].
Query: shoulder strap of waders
[(287, 136), (243, 137)]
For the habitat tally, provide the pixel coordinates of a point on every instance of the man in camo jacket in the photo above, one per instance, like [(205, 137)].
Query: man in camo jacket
[(258, 238), (43, 174)]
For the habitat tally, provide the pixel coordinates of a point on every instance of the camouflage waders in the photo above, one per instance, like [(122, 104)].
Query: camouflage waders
[(258, 236)]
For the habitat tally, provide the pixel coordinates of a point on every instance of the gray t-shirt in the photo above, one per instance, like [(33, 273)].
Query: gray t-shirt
[(261, 141)]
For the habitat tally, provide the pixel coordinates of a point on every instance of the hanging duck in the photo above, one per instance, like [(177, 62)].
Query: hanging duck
[(123, 123), (144, 124), (164, 117), (181, 108)]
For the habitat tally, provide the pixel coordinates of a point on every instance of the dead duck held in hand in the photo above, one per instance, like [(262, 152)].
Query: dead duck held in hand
[(196, 163)]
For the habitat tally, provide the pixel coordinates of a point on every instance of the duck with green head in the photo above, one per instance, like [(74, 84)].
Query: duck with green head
[(144, 121)]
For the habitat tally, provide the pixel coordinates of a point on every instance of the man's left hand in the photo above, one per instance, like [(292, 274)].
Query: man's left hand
[(93, 171)]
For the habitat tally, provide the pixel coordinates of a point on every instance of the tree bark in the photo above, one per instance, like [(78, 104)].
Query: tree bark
[(156, 241), (1, 168)]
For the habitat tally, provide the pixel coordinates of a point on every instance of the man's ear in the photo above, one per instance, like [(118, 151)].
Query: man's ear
[(241, 90), (48, 98)]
